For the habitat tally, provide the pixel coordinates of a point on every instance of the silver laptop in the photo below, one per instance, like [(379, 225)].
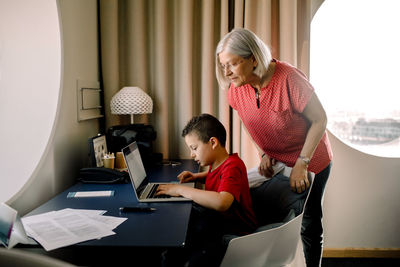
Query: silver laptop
[(144, 191)]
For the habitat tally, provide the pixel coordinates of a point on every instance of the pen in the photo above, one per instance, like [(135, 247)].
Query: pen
[(136, 209)]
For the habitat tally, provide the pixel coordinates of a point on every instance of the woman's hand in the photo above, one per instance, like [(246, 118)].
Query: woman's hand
[(265, 167), (298, 177)]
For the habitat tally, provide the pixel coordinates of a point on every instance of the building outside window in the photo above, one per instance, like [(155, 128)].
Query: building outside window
[(355, 69)]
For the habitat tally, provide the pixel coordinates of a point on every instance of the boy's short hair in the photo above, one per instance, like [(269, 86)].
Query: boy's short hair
[(206, 126)]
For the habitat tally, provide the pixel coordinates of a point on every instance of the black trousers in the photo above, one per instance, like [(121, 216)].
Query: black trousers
[(274, 199), (312, 230), (204, 245)]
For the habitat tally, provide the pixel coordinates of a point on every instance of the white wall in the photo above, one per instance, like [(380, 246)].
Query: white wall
[(30, 75), (362, 200), (67, 147)]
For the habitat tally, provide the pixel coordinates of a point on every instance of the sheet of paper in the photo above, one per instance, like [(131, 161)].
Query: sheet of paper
[(107, 193), (88, 212), (19, 235), (255, 179), (65, 227), (110, 221)]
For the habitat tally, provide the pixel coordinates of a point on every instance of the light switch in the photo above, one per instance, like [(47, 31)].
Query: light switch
[(89, 100)]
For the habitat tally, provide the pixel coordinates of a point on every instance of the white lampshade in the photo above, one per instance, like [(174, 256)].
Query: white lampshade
[(131, 100)]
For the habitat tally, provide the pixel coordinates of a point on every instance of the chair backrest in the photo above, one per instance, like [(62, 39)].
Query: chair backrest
[(273, 247)]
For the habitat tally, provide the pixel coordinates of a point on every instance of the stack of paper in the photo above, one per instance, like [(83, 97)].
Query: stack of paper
[(256, 179), (65, 227)]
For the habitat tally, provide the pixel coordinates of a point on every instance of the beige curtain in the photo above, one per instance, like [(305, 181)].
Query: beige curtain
[(166, 47)]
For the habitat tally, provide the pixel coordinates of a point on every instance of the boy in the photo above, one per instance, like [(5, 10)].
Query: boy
[(224, 207)]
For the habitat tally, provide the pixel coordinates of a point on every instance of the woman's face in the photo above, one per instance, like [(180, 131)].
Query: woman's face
[(237, 69)]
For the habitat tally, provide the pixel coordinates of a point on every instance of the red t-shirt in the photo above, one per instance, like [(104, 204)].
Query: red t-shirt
[(278, 126), (231, 176)]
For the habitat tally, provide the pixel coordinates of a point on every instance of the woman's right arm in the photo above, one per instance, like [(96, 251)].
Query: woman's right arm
[(266, 162)]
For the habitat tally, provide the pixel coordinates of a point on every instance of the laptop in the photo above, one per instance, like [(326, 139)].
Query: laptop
[(145, 191)]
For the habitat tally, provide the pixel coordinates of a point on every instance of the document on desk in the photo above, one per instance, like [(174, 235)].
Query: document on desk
[(65, 227)]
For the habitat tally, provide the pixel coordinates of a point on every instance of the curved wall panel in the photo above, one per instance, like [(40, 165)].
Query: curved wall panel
[(30, 74)]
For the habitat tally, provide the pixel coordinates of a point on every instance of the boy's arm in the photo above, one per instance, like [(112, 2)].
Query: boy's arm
[(187, 176), (219, 201)]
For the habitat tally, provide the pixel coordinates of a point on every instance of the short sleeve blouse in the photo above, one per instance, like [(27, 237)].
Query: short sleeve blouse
[(278, 126)]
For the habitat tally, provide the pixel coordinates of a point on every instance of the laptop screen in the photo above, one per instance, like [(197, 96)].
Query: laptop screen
[(134, 164)]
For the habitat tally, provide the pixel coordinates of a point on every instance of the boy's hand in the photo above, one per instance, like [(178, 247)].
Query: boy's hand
[(186, 176), (169, 189)]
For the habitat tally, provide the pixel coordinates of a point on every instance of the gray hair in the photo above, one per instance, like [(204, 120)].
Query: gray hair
[(244, 43)]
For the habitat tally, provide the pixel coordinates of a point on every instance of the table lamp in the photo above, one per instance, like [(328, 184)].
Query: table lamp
[(130, 101)]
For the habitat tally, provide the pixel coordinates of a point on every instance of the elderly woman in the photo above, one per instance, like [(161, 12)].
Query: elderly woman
[(284, 118)]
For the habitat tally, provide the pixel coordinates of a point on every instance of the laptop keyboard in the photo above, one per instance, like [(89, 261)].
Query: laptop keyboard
[(153, 192)]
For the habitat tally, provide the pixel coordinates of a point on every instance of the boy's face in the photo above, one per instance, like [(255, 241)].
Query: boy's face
[(201, 152)]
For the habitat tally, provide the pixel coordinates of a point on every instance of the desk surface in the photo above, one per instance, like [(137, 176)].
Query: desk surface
[(165, 227)]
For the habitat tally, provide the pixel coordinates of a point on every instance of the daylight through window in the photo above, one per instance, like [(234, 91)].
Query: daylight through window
[(355, 57)]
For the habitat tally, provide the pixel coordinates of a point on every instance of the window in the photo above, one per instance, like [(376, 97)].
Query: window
[(355, 58)]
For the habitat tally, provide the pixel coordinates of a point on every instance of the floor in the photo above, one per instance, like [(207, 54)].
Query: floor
[(345, 262), (357, 262)]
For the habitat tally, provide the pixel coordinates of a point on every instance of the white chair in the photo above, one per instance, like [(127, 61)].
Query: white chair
[(272, 247)]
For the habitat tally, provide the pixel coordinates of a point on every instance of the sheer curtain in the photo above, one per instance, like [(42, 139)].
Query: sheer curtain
[(166, 47)]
